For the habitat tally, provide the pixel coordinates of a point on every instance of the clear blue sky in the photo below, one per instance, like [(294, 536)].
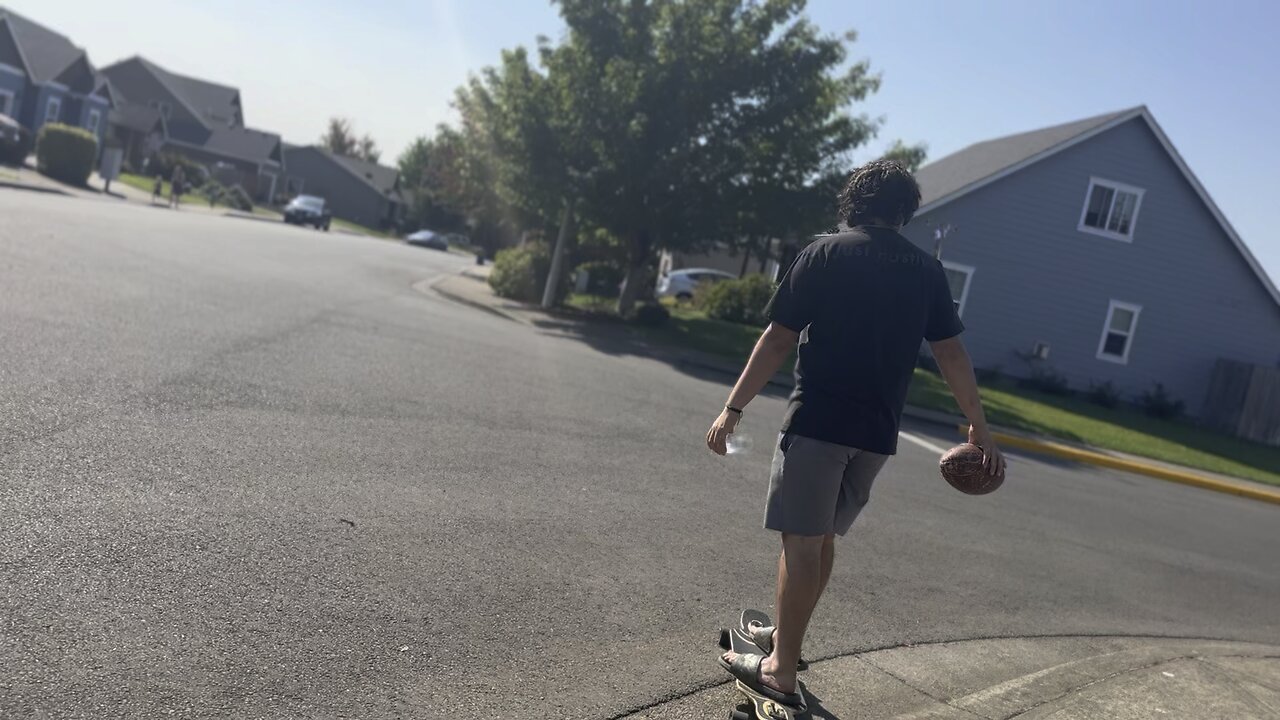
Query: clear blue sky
[(954, 72)]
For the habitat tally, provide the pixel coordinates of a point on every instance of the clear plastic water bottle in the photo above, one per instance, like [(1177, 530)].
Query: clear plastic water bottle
[(737, 443)]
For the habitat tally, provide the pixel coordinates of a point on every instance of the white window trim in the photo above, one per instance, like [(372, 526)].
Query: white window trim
[(1106, 328), (49, 104), (10, 105), (95, 115), (1115, 186), (968, 281), (4, 67)]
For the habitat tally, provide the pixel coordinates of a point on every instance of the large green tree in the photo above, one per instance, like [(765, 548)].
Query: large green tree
[(689, 112)]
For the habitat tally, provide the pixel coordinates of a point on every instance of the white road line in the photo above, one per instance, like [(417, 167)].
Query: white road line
[(922, 443)]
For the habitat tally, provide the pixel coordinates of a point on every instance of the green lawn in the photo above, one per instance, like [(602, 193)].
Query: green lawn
[(352, 227), (1068, 418), (1124, 429), (145, 184)]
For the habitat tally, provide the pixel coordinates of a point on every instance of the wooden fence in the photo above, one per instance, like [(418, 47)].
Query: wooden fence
[(1244, 400)]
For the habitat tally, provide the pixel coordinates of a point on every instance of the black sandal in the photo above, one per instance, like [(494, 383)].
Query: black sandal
[(746, 668)]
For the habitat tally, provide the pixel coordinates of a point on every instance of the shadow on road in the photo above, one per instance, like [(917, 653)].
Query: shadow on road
[(816, 710), (618, 339)]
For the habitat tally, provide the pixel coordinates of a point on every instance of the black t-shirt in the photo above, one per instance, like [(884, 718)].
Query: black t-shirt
[(863, 301)]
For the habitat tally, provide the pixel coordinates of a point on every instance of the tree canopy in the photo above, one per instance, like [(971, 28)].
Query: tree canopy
[(665, 124)]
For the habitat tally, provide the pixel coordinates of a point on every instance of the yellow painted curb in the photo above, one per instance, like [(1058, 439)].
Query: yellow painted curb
[(1242, 488)]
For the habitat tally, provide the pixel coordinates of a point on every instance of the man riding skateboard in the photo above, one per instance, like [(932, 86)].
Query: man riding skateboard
[(858, 304)]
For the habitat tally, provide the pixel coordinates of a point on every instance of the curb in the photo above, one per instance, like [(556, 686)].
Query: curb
[(1184, 477), (434, 286)]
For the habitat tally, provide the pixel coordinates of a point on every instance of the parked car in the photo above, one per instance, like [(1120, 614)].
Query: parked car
[(308, 210), (428, 239), (680, 284), (15, 142)]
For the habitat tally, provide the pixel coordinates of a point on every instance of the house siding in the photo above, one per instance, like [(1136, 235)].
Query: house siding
[(347, 196), (1039, 278), (17, 85), (36, 111)]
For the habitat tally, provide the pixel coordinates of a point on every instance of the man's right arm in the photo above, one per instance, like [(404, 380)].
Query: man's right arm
[(957, 370)]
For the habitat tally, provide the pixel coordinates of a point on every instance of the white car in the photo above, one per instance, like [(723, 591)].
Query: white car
[(681, 284)]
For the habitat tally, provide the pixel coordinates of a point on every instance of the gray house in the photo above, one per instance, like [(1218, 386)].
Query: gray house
[(44, 78), (162, 111), (1091, 249), (358, 191)]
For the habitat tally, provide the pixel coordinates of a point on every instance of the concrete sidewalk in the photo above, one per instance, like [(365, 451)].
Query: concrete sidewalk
[(1065, 678), (470, 288)]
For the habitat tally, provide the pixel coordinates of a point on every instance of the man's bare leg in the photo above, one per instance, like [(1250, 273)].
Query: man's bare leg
[(800, 582), (828, 562)]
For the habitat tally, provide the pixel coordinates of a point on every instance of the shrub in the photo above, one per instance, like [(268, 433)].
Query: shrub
[(741, 301), (603, 278), (193, 173), (1104, 394), (520, 273), (1046, 380), (214, 192), (652, 315), (1157, 403), (15, 151), (236, 197), (66, 153)]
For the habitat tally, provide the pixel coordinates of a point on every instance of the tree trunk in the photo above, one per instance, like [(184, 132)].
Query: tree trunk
[(746, 258), (764, 254), (637, 264), (557, 257)]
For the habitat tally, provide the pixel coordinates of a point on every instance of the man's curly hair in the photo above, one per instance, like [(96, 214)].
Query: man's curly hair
[(880, 191)]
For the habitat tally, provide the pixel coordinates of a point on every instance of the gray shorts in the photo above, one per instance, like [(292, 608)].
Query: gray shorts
[(817, 487)]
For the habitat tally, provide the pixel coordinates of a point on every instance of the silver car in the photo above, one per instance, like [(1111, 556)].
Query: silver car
[(681, 284)]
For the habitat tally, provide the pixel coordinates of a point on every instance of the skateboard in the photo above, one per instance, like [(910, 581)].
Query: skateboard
[(752, 705)]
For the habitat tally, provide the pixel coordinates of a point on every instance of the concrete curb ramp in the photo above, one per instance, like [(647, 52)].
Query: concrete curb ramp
[(1178, 475), (1054, 677)]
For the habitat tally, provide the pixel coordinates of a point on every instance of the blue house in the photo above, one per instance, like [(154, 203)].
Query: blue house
[(1090, 250), (45, 78)]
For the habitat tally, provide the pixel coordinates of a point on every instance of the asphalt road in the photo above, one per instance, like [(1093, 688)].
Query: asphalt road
[(249, 471)]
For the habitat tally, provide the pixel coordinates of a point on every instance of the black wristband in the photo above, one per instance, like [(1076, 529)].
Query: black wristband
[(732, 409)]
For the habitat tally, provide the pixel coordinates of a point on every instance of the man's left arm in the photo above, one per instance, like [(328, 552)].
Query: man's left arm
[(772, 349)]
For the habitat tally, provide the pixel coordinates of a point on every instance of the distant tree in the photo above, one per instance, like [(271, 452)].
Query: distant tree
[(367, 149), (339, 138), (429, 171), (911, 156)]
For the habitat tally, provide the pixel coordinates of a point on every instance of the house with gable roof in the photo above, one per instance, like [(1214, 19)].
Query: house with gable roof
[(45, 78), (163, 111), (1091, 250), (356, 190)]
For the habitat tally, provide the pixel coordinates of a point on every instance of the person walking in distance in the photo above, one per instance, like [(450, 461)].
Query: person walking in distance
[(858, 304), (157, 189), (176, 184)]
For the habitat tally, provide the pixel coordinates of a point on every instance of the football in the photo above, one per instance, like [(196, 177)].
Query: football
[(962, 468)]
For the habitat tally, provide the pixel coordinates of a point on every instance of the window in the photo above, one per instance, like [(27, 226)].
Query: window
[(6, 102), (958, 277), (53, 110), (92, 124), (1117, 333), (1111, 209)]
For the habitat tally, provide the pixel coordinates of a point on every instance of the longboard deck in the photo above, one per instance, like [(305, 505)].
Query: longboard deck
[(767, 709)]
